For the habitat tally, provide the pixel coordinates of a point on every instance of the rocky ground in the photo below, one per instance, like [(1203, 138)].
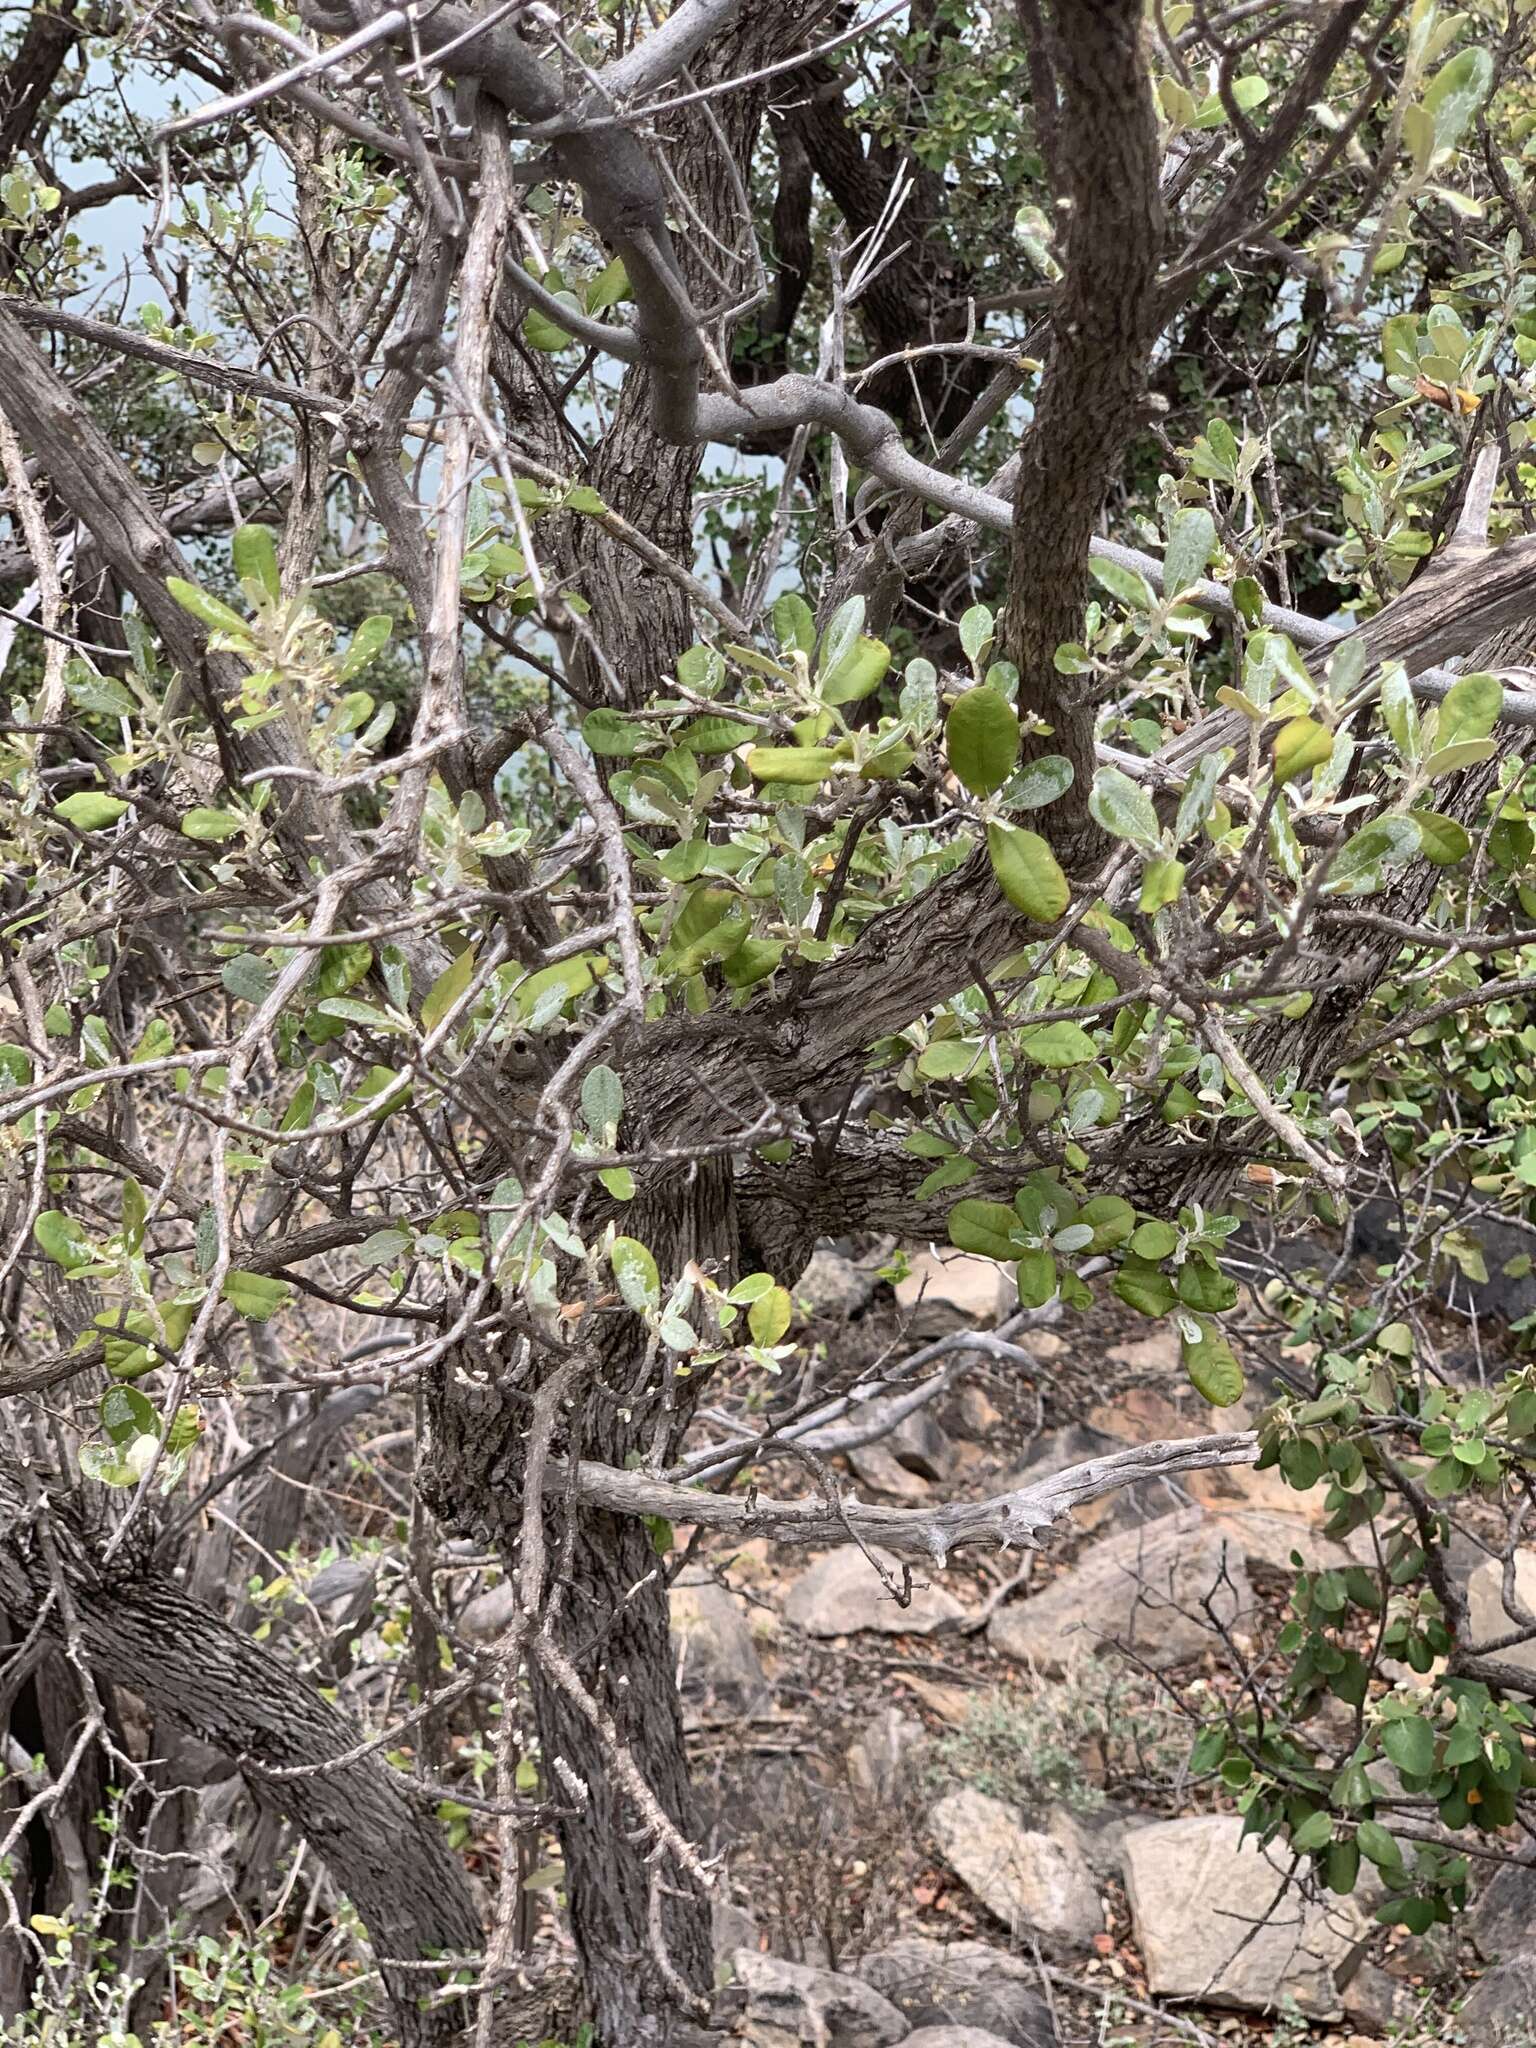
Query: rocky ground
[(965, 1822)]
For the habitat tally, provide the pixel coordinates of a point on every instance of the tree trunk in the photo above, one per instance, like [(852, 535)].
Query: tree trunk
[(607, 1614), (614, 1626)]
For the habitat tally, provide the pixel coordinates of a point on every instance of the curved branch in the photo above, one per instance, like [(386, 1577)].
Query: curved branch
[(383, 1849)]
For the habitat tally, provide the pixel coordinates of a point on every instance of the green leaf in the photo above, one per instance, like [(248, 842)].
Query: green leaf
[(1123, 808), (544, 334), (1410, 1744), (1444, 841), (351, 1011), (256, 1295), (792, 764), (1300, 745), (602, 1102), (635, 1271), (1128, 585), (770, 1315), (447, 989), (1154, 1240), (714, 732), (1315, 1832), (208, 611), (1036, 1278), (1144, 1287), (981, 739), (1363, 864), (88, 810), (989, 1229), (1456, 92), (857, 673), (711, 926), (1111, 1219), (1191, 543), (949, 1059), (608, 287), (1215, 1373), (1465, 754), (1470, 710), (1028, 873), (1398, 711), (254, 549), (1040, 782), (609, 733), (62, 1238), (368, 642), (794, 623), (1063, 1044), (1377, 1845), (976, 626), (214, 825), (1162, 882)]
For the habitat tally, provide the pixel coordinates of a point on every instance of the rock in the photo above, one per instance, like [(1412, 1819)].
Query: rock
[(912, 1452), (712, 1638), (1502, 2009), (878, 1760), (952, 1703), (1373, 1998), (954, 2037), (1487, 1620), (969, 1284), (1145, 1588), (841, 1596), (1032, 1881), (1215, 1921), (1267, 1539), (347, 1584), (834, 1285), (1502, 1918), (961, 1988), (791, 2005), (975, 1414), (731, 1927), (1155, 1356), (488, 1614), (880, 1469)]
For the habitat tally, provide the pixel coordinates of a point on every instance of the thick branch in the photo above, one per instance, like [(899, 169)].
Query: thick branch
[(932, 1534), (383, 1849)]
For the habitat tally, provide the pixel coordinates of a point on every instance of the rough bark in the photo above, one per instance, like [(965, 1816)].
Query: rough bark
[(1107, 154), (363, 1820)]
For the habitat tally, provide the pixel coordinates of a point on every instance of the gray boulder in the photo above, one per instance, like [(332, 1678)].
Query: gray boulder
[(791, 2005), (961, 1988), (486, 1616), (879, 1760), (712, 1640), (1502, 1919), (1217, 1922), (1502, 2010), (834, 1285), (1487, 1621), (1147, 1588), (1033, 1881), (954, 2037), (842, 1596)]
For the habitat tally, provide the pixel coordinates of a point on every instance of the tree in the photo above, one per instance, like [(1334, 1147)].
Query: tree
[(468, 853)]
